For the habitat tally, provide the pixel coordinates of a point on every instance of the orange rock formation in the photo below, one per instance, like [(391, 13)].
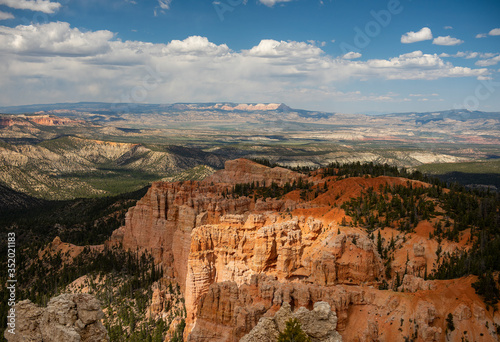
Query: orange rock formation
[(239, 259)]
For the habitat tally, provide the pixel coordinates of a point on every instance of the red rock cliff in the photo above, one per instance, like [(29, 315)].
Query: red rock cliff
[(239, 259)]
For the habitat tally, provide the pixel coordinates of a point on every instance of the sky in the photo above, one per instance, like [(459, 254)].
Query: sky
[(350, 56)]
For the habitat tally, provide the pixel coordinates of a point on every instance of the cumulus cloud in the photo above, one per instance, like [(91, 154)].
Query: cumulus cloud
[(489, 61), (55, 62), (417, 65), (56, 38), (472, 54), (412, 37), (484, 78), (467, 55), (195, 45), (351, 55), (447, 41), (271, 3), (45, 6), (274, 48), (495, 32), (481, 35), (5, 15)]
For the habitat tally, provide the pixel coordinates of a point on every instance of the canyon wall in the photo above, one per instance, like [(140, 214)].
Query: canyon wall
[(239, 259), (228, 312)]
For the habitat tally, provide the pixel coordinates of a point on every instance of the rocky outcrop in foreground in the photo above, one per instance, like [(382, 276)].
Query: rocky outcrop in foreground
[(68, 318), (319, 324)]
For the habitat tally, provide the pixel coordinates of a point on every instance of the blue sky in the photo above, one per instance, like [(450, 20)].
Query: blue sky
[(342, 55)]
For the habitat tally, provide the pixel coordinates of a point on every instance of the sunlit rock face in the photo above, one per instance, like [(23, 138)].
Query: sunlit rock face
[(238, 260)]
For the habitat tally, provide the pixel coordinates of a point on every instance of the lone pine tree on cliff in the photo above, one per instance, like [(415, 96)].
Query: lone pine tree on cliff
[(293, 332)]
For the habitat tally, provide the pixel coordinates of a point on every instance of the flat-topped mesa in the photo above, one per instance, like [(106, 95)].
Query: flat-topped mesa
[(43, 120), (246, 171), (252, 107)]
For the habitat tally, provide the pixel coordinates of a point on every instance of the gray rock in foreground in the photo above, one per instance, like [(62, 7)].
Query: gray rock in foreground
[(68, 317), (319, 323)]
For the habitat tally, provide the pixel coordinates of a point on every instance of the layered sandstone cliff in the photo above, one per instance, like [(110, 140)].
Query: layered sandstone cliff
[(228, 312), (296, 249), (238, 259), (163, 220)]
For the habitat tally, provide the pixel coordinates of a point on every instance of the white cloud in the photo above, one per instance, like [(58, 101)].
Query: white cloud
[(56, 38), (413, 54), (164, 4), (495, 32), (55, 62), (447, 41), (481, 35), (195, 45), (489, 62), (423, 95), (5, 15), (45, 6), (351, 55), (412, 37), (417, 65), (274, 48), (471, 55), (271, 3), (467, 55), (448, 27)]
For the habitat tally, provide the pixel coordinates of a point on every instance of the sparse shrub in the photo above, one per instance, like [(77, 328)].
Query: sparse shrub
[(293, 332), (486, 287), (449, 322)]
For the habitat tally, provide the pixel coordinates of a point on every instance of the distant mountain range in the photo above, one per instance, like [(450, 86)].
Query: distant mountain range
[(111, 108), (72, 109), (453, 114), (269, 118)]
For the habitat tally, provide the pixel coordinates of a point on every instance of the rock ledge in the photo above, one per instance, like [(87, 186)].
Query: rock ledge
[(68, 317)]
